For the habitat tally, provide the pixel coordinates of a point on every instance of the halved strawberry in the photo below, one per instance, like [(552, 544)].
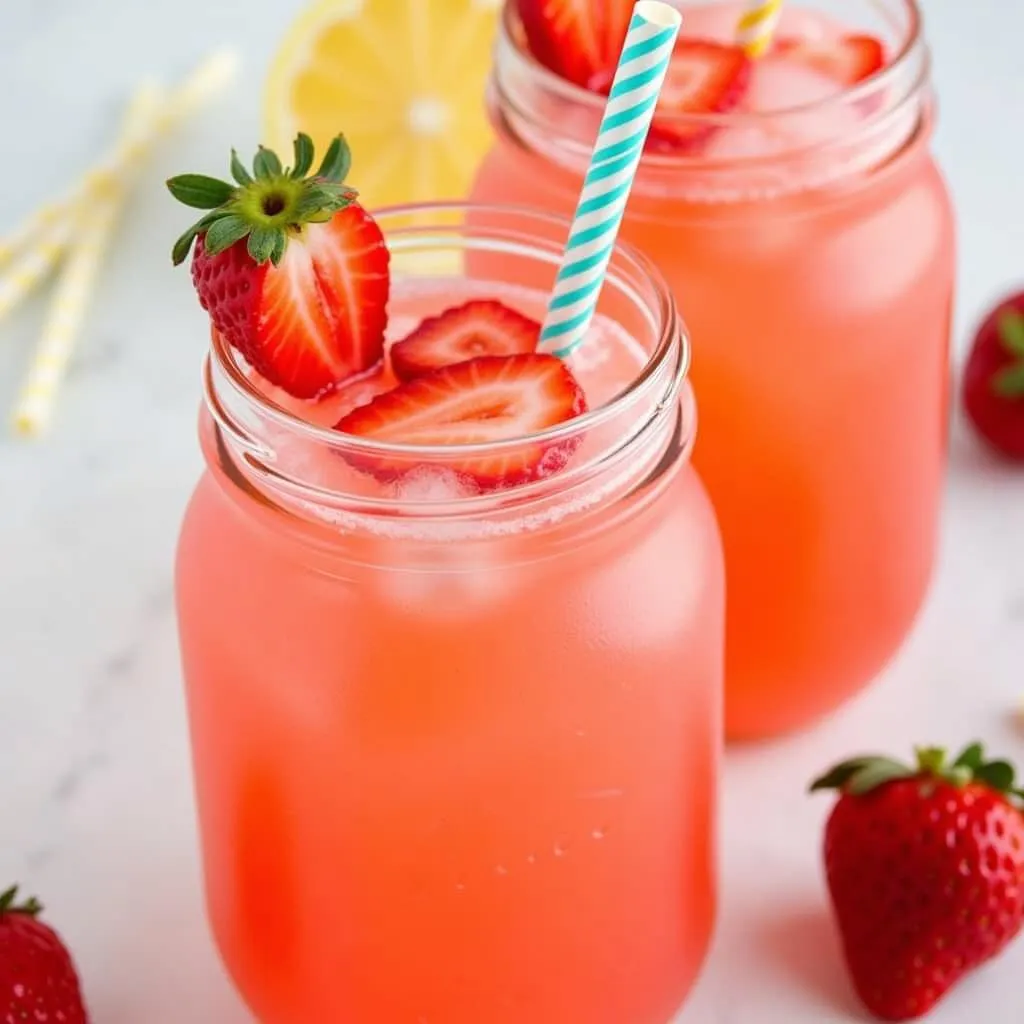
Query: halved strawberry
[(704, 77), (293, 272), (848, 60), (483, 327), (481, 401), (577, 39)]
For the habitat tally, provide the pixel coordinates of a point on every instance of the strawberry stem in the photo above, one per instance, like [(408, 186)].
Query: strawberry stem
[(1011, 332), (269, 206), (31, 907), (1009, 381), (860, 775)]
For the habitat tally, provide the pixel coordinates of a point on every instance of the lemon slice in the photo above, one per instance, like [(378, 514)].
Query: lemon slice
[(404, 81)]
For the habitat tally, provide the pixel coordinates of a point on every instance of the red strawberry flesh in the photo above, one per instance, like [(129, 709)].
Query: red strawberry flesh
[(38, 981), (848, 60), (294, 274), (479, 328), (704, 77), (993, 386), (481, 401), (315, 320), (576, 39), (925, 868)]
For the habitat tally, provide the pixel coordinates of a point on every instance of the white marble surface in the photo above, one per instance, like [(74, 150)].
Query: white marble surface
[(95, 802)]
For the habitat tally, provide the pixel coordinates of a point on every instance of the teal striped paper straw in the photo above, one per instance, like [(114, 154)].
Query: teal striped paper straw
[(609, 179)]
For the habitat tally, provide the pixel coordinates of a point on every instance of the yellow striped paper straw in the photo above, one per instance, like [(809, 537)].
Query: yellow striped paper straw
[(46, 219), (205, 81), (212, 75), (35, 262), (756, 27), (34, 406)]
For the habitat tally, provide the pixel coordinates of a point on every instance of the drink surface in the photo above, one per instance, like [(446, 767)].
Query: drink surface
[(605, 366), (780, 83), (823, 84)]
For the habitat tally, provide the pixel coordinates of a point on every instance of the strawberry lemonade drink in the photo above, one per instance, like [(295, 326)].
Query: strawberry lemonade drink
[(451, 616), (792, 205)]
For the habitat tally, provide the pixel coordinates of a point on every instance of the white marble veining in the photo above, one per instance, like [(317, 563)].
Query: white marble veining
[(95, 801)]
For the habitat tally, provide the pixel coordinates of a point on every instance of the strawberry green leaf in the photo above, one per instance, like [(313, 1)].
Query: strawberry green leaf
[(1011, 332), (862, 772), (280, 244), (337, 161), (238, 171), (200, 191), (840, 775), (263, 242), (972, 757), (877, 773), (1009, 382), (31, 907), (266, 164), (303, 155), (997, 774), (318, 205), (182, 246), (224, 232)]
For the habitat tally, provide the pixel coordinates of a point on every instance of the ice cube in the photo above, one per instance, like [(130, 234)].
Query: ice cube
[(593, 353), (778, 83), (743, 141), (434, 484)]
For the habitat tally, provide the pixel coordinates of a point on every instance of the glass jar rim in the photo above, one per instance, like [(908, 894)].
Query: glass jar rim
[(787, 149), (511, 35), (672, 339)]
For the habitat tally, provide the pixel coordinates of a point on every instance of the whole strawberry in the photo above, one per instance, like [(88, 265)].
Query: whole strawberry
[(292, 270), (925, 867), (38, 981), (994, 379)]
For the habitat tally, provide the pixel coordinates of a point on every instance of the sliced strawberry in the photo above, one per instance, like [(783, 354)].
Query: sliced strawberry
[(313, 321), (704, 77), (293, 272), (483, 327), (848, 60), (481, 401), (577, 39)]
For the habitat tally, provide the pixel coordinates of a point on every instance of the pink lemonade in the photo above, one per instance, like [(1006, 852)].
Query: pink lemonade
[(456, 750), (808, 236)]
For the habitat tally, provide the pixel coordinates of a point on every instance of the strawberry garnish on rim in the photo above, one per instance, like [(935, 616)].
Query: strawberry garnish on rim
[(482, 327), (293, 272), (849, 59), (478, 402), (577, 39)]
